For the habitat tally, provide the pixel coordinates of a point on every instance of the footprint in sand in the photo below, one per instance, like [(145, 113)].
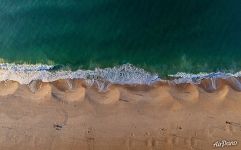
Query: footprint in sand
[(232, 127), (130, 141), (90, 137), (149, 141)]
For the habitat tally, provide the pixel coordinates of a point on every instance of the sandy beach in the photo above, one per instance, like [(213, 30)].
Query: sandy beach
[(68, 115), (120, 75)]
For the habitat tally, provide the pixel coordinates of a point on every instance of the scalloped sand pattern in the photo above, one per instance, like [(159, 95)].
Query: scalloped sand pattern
[(109, 97), (138, 117), (185, 92), (68, 91), (40, 90), (109, 110), (71, 90), (8, 87)]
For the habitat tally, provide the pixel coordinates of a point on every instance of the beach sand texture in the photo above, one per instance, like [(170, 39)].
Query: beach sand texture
[(68, 115)]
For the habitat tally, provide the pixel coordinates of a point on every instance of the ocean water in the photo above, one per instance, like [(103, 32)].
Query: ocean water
[(163, 37)]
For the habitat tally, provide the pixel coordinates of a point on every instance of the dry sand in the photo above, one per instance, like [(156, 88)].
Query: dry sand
[(66, 115)]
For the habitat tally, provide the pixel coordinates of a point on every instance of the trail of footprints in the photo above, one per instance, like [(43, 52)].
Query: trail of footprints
[(197, 140), (154, 142), (148, 140), (75, 91)]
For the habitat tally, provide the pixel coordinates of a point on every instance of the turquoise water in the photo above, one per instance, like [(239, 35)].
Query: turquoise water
[(162, 36)]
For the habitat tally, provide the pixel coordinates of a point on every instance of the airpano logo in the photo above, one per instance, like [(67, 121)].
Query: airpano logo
[(224, 143)]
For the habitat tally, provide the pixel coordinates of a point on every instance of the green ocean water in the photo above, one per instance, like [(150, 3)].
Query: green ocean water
[(164, 36)]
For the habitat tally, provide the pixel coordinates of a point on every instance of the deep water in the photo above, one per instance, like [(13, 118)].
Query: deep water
[(163, 36)]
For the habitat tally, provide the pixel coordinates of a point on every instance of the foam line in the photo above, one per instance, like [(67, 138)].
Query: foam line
[(102, 78), (124, 74)]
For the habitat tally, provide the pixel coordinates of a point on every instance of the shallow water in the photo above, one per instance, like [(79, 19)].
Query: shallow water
[(163, 37)]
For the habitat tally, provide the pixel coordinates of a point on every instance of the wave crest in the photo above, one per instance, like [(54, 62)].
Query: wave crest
[(102, 78), (182, 77)]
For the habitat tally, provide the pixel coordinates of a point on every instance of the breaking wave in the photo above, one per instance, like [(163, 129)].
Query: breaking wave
[(182, 77), (126, 74), (213, 80), (102, 78)]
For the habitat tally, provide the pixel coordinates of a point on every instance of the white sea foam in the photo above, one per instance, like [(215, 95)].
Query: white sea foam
[(182, 77), (103, 78), (25, 67), (124, 74)]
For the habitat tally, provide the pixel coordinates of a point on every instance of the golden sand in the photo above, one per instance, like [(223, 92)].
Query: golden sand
[(66, 115)]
